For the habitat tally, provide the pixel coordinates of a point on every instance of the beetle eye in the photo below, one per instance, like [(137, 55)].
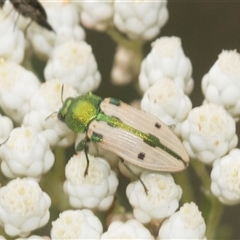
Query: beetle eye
[(60, 117)]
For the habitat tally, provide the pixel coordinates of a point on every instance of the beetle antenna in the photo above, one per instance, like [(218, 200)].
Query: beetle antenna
[(62, 93), (134, 174), (50, 115), (4, 142)]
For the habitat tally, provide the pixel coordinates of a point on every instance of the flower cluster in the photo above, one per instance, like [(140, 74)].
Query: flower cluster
[(43, 176)]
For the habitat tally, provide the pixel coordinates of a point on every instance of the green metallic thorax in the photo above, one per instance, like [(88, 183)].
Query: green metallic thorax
[(80, 111)]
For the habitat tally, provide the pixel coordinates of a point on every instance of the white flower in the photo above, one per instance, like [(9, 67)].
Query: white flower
[(221, 85), (208, 133), (12, 39), (74, 63), (96, 15), (26, 154), (140, 19), (96, 189), (14, 81), (78, 224), (132, 229), (166, 59), (167, 101), (45, 102), (6, 126), (63, 17), (123, 68), (225, 177), (187, 223), (161, 200), (23, 207)]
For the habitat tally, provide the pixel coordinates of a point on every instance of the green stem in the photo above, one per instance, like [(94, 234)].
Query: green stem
[(121, 40), (184, 181), (201, 171), (52, 183), (135, 46), (214, 218), (216, 209), (60, 163)]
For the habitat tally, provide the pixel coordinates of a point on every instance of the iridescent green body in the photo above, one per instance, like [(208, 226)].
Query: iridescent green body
[(102, 121)]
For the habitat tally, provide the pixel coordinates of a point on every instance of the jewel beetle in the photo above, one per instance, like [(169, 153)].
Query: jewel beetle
[(132, 134), (32, 9)]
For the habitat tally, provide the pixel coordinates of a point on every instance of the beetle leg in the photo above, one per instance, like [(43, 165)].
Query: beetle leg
[(83, 145), (134, 174), (86, 154)]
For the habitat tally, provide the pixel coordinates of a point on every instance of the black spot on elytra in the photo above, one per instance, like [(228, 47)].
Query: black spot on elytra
[(157, 125), (141, 155)]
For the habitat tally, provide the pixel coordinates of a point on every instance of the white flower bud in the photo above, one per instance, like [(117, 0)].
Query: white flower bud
[(26, 154), (132, 229), (78, 224), (121, 215), (187, 223), (221, 84), (95, 190), (208, 133), (96, 15), (73, 63), (166, 59), (12, 40), (225, 177), (161, 200), (45, 102), (123, 69), (24, 207), (14, 80), (140, 19), (63, 18), (6, 126), (167, 101)]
